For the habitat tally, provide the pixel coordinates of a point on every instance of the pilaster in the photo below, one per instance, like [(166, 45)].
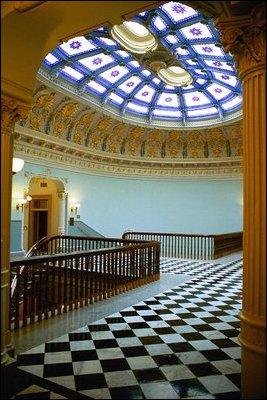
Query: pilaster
[(62, 196), (244, 36)]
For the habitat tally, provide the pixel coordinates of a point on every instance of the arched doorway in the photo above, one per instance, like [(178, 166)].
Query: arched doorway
[(45, 213)]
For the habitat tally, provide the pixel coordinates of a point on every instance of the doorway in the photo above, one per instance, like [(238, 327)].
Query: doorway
[(39, 218)]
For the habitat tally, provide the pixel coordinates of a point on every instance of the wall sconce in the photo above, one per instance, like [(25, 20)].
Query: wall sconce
[(21, 203), (17, 165), (74, 207)]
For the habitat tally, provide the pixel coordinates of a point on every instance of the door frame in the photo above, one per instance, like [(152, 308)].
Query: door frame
[(48, 197)]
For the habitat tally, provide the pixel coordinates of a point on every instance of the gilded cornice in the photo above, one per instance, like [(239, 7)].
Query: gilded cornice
[(54, 152), (244, 36)]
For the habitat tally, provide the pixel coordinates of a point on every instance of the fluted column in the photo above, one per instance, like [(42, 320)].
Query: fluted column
[(244, 37), (11, 111), (62, 212)]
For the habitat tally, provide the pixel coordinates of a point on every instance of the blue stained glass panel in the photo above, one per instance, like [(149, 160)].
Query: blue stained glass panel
[(112, 74)]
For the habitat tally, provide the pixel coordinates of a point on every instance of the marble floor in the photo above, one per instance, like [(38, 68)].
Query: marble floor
[(175, 338)]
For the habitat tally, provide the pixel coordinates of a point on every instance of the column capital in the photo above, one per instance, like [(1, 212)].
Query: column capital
[(244, 37), (12, 111), (62, 195)]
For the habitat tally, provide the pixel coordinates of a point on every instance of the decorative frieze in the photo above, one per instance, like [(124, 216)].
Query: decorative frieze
[(226, 169), (59, 117)]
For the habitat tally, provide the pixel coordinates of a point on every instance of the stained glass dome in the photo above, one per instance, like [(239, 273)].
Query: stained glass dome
[(184, 80)]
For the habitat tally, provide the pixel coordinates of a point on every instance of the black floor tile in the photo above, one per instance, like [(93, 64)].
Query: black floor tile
[(149, 375), (85, 355), (117, 364), (134, 351), (215, 355), (150, 340), (166, 359), (90, 381), (204, 369), (57, 346), (129, 392), (62, 369)]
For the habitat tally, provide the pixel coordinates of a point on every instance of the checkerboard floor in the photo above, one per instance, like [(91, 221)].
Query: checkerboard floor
[(181, 343)]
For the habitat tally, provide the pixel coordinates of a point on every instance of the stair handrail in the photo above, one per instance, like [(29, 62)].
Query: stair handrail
[(46, 239)]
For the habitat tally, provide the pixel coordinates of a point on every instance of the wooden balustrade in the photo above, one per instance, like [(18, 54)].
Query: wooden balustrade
[(59, 243), (227, 243), (63, 272), (200, 247), (47, 285)]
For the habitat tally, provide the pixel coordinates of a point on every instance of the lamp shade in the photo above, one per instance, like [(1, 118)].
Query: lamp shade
[(17, 165)]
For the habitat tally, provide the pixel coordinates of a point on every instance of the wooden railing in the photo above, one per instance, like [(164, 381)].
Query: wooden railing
[(192, 246), (47, 285), (59, 243), (227, 243)]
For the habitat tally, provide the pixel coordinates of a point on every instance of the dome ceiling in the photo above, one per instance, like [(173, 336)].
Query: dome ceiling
[(78, 123), (170, 72)]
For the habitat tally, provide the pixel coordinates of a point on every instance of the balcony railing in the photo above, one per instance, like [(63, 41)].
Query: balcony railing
[(64, 272), (49, 284), (192, 246)]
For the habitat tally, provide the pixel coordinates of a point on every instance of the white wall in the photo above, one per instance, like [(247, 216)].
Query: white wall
[(112, 205)]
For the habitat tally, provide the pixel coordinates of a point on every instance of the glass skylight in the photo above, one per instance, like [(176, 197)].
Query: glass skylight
[(145, 94), (102, 71), (77, 45), (196, 32), (112, 75), (169, 99), (117, 99), (72, 72), (232, 103), (96, 62), (51, 59), (195, 99)]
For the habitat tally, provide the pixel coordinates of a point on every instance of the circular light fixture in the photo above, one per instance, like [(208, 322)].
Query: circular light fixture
[(175, 76), (17, 165), (134, 37)]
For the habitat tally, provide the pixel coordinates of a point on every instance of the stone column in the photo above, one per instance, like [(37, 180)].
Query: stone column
[(62, 212), (244, 37), (11, 111)]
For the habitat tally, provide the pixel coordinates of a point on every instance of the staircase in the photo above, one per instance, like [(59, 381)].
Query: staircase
[(81, 229)]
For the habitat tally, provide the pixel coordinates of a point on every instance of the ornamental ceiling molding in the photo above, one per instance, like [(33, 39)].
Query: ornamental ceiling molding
[(55, 159), (54, 152), (69, 123)]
